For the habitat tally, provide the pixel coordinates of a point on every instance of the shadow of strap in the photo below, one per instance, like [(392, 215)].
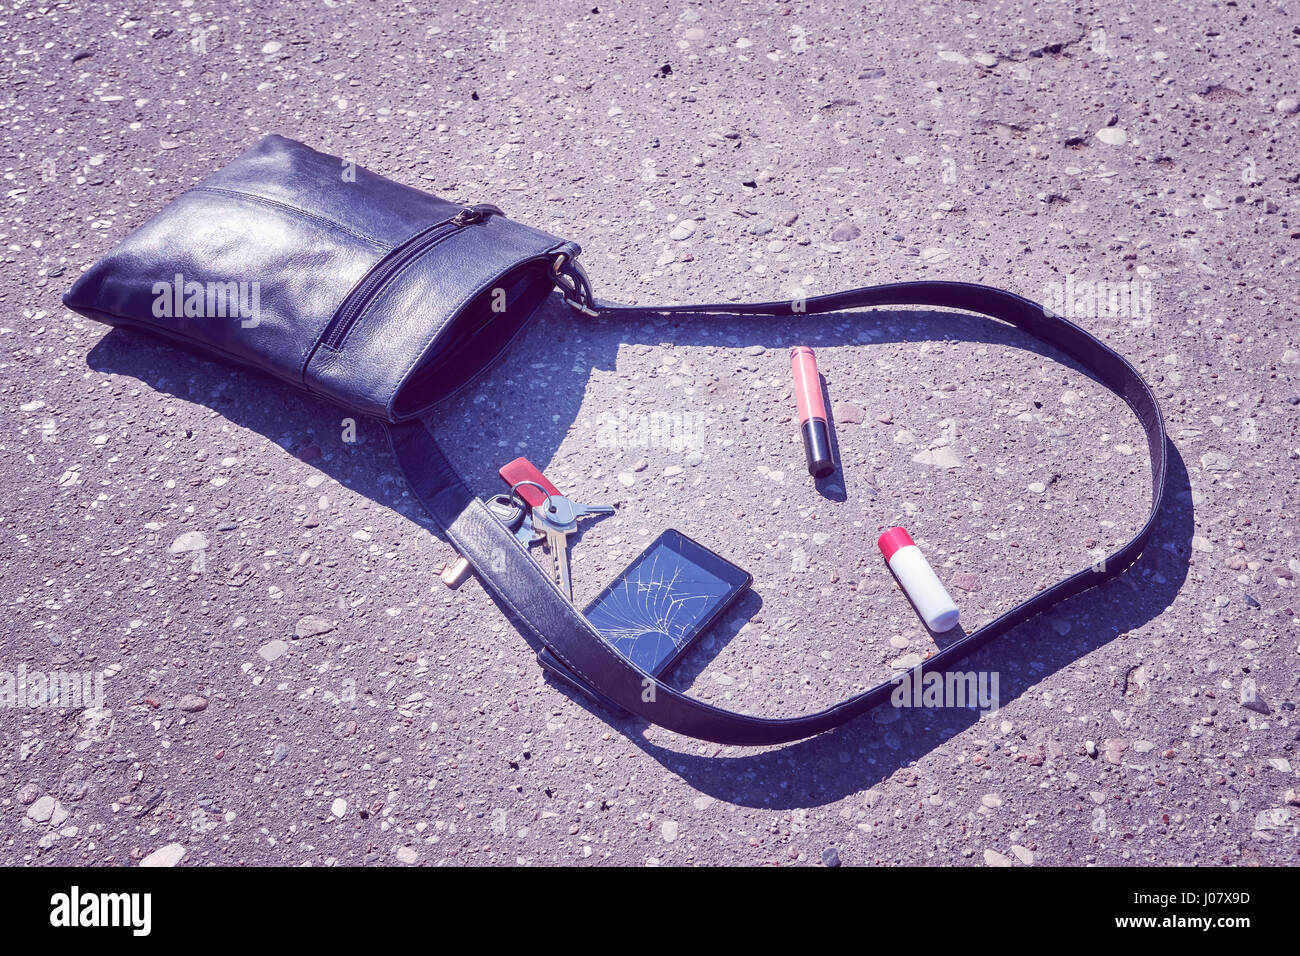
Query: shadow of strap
[(516, 581)]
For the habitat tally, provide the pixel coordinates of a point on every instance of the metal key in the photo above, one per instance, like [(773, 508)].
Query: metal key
[(558, 517), (515, 515), (582, 511), (558, 520)]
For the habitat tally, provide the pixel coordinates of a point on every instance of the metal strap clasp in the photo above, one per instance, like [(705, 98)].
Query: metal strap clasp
[(572, 282)]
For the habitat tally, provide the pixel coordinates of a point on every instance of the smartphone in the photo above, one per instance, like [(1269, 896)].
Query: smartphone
[(654, 610)]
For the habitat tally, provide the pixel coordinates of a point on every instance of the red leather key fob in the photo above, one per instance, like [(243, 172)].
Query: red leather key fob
[(521, 469)]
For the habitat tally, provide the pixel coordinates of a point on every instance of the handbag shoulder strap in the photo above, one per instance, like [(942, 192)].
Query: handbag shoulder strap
[(537, 607)]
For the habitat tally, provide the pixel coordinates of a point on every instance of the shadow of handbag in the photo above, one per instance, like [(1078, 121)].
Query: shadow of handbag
[(386, 300)]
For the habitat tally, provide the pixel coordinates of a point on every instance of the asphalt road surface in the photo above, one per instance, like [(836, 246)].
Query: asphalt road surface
[(288, 681)]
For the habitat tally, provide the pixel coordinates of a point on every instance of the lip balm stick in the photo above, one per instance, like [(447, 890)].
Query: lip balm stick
[(812, 412), (918, 579)]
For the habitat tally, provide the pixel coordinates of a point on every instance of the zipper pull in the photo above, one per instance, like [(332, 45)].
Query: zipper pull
[(476, 213)]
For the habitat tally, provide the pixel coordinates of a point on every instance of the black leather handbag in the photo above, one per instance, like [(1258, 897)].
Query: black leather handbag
[(386, 300)]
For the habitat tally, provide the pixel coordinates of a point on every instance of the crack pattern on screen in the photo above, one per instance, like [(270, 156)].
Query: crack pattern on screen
[(657, 608)]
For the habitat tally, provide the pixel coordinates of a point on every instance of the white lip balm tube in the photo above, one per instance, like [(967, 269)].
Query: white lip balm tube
[(918, 579)]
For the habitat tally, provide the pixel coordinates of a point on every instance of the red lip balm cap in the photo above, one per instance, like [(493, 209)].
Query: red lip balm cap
[(892, 540)]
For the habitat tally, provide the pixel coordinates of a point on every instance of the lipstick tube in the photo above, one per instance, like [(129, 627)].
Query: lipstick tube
[(812, 412), (922, 585)]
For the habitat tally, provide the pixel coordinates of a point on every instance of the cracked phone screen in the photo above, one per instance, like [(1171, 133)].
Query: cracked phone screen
[(661, 602)]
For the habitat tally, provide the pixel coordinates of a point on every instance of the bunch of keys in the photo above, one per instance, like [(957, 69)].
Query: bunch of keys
[(534, 510), (553, 514)]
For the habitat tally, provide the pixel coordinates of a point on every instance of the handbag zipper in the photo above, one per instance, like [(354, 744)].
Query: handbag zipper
[(356, 300)]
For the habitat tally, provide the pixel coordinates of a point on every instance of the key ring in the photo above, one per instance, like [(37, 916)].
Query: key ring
[(539, 487)]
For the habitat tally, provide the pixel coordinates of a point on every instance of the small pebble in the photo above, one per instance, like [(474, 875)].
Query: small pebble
[(42, 810), (189, 541), (312, 626), (1252, 701), (272, 650), (166, 856), (847, 413)]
